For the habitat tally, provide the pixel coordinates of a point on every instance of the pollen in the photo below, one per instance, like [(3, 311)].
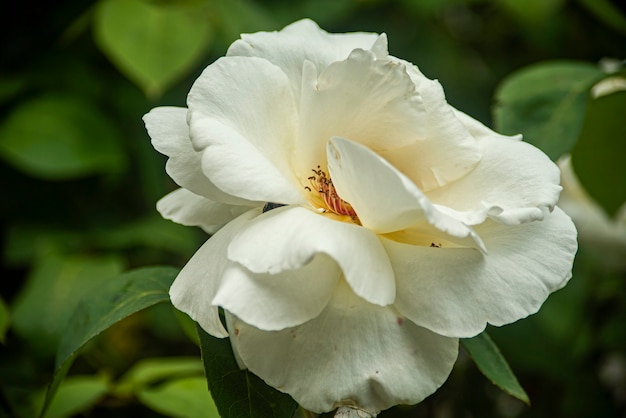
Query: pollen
[(322, 184)]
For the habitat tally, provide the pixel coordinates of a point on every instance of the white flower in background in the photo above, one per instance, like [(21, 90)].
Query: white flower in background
[(405, 224), (599, 233)]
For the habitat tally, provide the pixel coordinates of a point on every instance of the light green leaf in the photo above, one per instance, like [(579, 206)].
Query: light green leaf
[(151, 370), (598, 157), (76, 394), (546, 103), (235, 17), (53, 289), (153, 43), (118, 298), (493, 365), (60, 137), (239, 393), (181, 398)]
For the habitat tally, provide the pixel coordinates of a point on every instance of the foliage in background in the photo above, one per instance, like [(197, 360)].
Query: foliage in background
[(80, 181)]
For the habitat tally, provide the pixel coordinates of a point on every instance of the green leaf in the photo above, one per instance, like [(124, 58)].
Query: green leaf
[(546, 103), (239, 393), (60, 137), (153, 43), (152, 370), (117, 299), (53, 289), (76, 394), (532, 10), (598, 157), (181, 398), (493, 365), (235, 17)]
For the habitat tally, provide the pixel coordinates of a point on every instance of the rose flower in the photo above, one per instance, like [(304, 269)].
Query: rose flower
[(361, 224)]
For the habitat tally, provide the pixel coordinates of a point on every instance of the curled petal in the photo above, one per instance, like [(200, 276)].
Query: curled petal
[(187, 208), (197, 283), (385, 199), (169, 133), (289, 238), (276, 301), (243, 120), (457, 292), (514, 183), (353, 353)]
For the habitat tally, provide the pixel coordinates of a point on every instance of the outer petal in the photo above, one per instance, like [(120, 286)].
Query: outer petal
[(385, 199), (196, 285), (289, 238), (305, 41), (514, 183), (187, 208), (242, 117), (276, 301), (354, 353), (456, 292), (169, 132)]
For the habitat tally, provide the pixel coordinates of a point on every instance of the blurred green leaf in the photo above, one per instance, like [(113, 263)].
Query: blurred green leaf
[(60, 137), (235, 17), (546, 103), (239, 393), (53, 289), (11, 86), (598, 157), (493, 365), (118, 298), (151, 231), (532, 10), (181, 398), (76, 394), (608, 13), (152, 370), (4, 320), (152, 43)]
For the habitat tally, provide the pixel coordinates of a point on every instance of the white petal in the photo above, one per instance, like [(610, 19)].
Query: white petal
[(479, 130), (273, 302), (243, 120), (385, 199), (456, 292), (197, 283), (305, 41), (187, 208), (445, 152), (354, 353), (289, 238), (370, 101), (514, 183), (168, 130)]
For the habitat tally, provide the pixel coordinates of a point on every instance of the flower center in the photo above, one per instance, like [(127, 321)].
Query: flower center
[(322, 184)]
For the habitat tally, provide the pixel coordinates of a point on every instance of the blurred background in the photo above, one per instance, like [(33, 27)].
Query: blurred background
[(79, 182)]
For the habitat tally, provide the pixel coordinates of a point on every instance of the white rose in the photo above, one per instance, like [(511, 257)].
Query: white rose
[(406, 224)]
